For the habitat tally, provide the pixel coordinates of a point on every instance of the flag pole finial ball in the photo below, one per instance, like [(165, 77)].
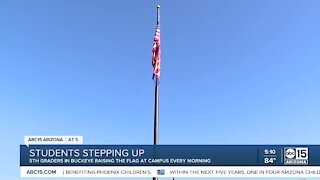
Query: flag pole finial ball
[(158, 6)]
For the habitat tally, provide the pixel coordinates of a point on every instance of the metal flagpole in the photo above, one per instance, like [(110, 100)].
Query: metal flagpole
[(156, 115), (156, 100)]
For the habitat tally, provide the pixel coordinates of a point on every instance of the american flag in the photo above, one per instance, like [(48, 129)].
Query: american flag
[(156, 55)]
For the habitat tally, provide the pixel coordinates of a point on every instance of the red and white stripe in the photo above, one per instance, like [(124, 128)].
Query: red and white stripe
[(156, 54)]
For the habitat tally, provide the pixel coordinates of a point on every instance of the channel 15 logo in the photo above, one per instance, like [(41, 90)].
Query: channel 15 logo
[(296, 155)]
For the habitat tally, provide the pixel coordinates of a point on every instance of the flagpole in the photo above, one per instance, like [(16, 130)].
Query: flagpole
[(156, 100), (156, 114)]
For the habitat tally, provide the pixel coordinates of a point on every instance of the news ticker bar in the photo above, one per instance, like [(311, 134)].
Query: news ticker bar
[(170, 155), (170, 171)]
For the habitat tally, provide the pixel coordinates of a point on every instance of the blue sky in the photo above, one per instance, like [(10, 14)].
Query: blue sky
[(233, 72)]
